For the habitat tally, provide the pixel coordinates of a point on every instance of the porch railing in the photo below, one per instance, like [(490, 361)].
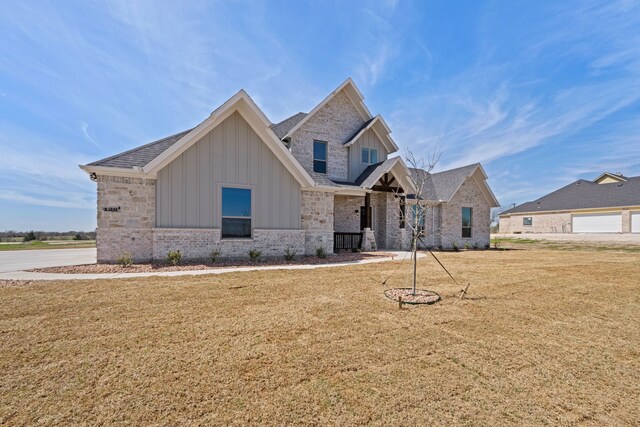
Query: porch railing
[(346, 241)]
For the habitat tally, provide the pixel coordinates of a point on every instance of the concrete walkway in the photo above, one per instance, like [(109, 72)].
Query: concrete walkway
[(40, 258), (27, 275)]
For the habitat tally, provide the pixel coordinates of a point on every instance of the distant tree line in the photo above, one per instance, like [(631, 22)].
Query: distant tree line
[(27, 236)]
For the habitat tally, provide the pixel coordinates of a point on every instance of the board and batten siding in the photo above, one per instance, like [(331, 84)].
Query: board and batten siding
[(188, 190), (368, 139)]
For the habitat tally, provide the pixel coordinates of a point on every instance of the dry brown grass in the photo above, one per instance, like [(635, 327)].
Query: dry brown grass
[(552, 338)]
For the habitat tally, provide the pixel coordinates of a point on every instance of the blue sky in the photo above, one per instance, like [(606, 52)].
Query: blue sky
[(542, 93)]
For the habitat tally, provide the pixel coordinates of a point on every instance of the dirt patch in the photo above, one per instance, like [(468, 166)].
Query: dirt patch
[(422, 296), (208, 265)]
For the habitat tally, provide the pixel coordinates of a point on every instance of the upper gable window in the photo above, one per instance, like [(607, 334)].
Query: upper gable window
[(369, 156), (320, 156)]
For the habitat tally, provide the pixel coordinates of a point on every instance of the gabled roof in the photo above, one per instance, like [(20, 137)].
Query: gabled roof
[(244, 105), (352, 92), (395, 165), (615, 176), (583, 194), (381, 129), (442, 186), (281, 129), (140, 156)]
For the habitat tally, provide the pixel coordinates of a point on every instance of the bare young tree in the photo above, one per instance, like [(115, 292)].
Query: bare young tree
[(420, 169)]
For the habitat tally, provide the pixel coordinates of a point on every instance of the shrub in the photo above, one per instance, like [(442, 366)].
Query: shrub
[(213, 256), (476, 245), (466, 246), (255, 254), (495, 244), (289, 255), (455, 247), (31, 236), (321, 253), (125, 260), (174, 257), (355, 250)]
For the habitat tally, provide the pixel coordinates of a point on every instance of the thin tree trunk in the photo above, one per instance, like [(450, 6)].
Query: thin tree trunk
[(414, 249)]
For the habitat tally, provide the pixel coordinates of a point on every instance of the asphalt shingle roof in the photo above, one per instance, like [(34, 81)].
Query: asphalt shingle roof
[(140, 156), (442, 185), (364, 125), (281, 129), (584, 194)]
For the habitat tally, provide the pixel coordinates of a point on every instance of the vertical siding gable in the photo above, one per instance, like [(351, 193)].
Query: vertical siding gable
[(231, 154), (368, 139)]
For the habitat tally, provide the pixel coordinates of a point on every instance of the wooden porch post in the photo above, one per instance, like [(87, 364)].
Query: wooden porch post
[(367, 210)]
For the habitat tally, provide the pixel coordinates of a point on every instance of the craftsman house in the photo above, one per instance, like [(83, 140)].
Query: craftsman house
[(325, 179)]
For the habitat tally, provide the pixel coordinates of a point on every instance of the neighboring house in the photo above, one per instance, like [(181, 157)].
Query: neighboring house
[(238, 182), (608, 204)]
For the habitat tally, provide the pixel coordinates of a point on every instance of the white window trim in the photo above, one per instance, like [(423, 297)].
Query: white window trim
[(369, 150), (219, 188)]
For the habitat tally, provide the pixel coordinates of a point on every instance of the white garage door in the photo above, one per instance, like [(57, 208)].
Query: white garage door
[(597, 223), (635, 222)]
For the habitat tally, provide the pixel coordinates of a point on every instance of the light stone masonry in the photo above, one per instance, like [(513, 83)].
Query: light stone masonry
[(317, 220), (469, 195), (334, 123)]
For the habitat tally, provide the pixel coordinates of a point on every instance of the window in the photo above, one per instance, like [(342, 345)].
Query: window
[(320, 156), (466, 222), (527, 220), (419, 214), (369, 156), (236, 212)]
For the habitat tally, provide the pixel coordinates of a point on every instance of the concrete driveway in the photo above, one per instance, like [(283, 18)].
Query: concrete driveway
[(27, 259)]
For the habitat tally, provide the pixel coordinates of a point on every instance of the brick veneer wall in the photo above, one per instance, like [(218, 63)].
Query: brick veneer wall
[(128, 229), (541, 223), (334, 123), (469, 195), (347, 213), (197, 243), (317, 220)]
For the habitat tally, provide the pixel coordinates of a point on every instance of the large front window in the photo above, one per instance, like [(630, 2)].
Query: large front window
[(320, 156), (466, 222), (419, 214), (236, 212)]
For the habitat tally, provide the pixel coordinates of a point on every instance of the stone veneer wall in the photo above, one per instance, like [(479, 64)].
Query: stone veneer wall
[(541, 223), (129, 228), (317, 220), (334, 123), (469, 195), (198, 243), (346, 216)]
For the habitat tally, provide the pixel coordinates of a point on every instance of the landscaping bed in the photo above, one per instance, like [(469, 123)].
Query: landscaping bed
[(157, 266)]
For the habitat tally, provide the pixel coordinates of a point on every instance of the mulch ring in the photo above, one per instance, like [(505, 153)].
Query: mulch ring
[(422, 296), (207, 265)]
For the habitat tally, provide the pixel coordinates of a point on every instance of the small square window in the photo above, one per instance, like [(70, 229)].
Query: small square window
[(369, 156), (373, 156), (527, 220), (365, 155)]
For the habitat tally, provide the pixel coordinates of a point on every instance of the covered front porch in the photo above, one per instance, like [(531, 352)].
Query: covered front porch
[(372, 215)]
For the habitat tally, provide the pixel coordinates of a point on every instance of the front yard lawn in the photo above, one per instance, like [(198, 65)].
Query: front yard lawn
[(549, 338)]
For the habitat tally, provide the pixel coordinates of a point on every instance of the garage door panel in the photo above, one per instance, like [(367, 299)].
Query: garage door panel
[(635, 222), (597, 223)]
